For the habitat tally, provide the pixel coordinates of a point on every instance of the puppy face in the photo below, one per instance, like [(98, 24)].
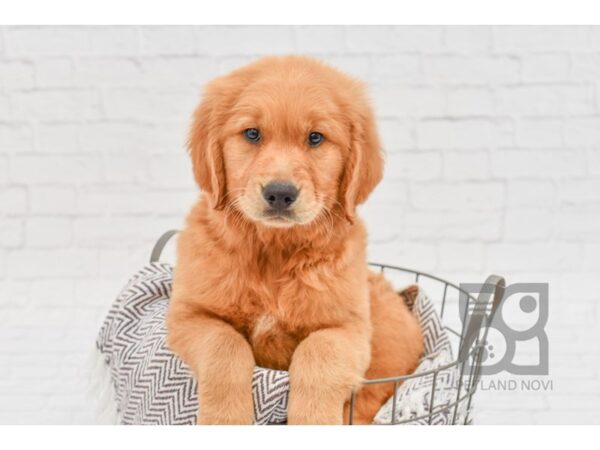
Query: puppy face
[(284, 151), (285, 141)]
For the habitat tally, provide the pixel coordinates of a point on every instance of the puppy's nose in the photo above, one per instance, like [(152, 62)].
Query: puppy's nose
[(280, 195)]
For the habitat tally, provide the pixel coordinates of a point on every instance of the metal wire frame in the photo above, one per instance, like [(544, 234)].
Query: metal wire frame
[(471, 345), (471, 340)]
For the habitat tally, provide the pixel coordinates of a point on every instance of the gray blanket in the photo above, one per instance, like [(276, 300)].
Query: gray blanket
[(153, 386)]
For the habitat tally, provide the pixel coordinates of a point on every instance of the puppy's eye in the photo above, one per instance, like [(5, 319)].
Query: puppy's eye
[(252, 135), (315, 139)]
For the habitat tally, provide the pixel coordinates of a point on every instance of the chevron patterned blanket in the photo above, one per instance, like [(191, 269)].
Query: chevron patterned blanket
[(151, 385)]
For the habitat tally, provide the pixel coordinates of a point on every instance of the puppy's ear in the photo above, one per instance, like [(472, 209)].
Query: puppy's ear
[(206, 152), (364, 166)]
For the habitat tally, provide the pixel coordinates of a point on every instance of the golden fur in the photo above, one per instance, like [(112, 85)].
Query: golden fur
[(293, 291)]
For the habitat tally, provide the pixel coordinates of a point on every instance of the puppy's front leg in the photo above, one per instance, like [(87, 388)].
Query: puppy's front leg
[(324, 369), (222, 362)]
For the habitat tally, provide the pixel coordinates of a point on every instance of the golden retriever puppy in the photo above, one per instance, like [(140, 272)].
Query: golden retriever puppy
[(271, 266)]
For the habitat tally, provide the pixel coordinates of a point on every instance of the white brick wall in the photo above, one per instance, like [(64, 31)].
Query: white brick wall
[(493, 140)]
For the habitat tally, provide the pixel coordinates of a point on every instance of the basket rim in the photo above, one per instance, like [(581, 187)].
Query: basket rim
[(459, 360), (473, 336)]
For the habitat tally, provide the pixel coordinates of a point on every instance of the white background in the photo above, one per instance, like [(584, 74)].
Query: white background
[(493, 143)]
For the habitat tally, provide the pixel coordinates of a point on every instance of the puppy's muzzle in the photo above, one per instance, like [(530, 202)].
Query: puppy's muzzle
[(280, 195)]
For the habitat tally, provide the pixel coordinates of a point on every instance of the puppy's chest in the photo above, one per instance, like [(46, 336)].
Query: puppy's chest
[(275, 316), (275, 325), (270, 307), (272, 340)]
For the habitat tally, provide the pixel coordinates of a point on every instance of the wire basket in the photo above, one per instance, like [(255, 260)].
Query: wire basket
[(469, 343), (470, 340)]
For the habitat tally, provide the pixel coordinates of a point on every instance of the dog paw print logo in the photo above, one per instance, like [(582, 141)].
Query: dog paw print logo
[(488, 352), (517, 341)]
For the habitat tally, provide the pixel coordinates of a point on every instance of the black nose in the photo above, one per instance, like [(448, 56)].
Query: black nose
[(280, 195)]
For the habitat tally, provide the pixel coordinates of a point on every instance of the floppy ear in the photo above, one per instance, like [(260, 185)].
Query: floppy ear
[(364, 166), (206, 152)]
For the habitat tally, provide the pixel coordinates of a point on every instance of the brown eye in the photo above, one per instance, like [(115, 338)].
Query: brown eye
[(315, 139), (252, 135)]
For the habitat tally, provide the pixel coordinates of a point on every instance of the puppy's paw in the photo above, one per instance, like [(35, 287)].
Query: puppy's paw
[(226, 407), (314, 419), (239, 416), (307, 412)]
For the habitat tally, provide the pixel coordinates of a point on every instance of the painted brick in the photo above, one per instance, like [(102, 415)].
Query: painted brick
[(396, 134), (461, 256), (168, 40), (380, 39), (195, 71), (413, 166), (579, 192), (53, 200), (466, 165), (493, 162), (579, 226), (16, 137), (355, 65), (59, 104), (526, 193), (54, 72), (56, 169), (120, 40), (319, 39), (520, 38), (583, 131), (378, 218), (533, 256), (528, 225), (53, 292), (46, 41), (16, 75), (487, 196), (470, 101), (59, 138), (464, 134), (546, 67), (397, 69), (540, 133), (399, 101), (4, 178), (484, 69), (107, 71), (5, 107), (544, 100), (48, 232), (471, 39), (538, 164), (13, 200), (594, 161), (143, 104), (130, 167), (174, 171), (585, 66), (453, 226), (49, 263), (245, 40), (11, 233)]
